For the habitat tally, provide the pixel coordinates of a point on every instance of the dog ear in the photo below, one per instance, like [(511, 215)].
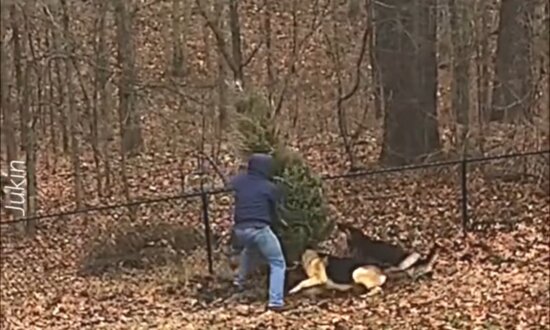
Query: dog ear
[(344, 229), (310, 246)]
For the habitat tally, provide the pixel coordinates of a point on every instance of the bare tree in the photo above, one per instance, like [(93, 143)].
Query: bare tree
[(483, 59), (132, 140), (30, 155), (72, 114), (235, 28), (180, 22), (268, 7), (232, 59), (61, 93), (17, 59), (101, 121), (343, 94), (294, 107), (32, 119), (235, 59), (375, 68), (407, 30), (461, 35), (222, 75), (8, 129), (513, 85), (50, 104)]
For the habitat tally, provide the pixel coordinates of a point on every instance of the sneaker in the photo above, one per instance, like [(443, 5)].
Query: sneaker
[(277, 309), (238, 286)]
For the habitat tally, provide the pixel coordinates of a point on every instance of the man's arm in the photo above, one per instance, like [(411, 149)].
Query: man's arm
[(276, 203), (279, 210)]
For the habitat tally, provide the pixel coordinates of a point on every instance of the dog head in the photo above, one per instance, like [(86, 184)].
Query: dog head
[(348, 236), (352, 233), (308, 256)]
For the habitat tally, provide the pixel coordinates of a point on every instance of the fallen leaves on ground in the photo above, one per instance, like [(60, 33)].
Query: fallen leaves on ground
[(485, 280)]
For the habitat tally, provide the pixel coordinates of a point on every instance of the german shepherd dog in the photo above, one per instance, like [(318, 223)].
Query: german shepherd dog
[(391, 258), (336, 273)]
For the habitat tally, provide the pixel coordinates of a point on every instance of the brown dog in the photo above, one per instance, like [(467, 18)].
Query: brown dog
[(338, 273)]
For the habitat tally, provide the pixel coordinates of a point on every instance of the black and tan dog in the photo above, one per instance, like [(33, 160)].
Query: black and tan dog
[(389, 257), (336, 273)]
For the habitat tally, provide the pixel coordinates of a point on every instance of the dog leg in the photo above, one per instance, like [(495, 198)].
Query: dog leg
[(369, 277), (409, 261), (423, 267), (336, 286), (372, 292), (307, 283)]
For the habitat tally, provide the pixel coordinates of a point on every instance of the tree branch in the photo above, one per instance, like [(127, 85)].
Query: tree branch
[(219, 39), (358, 65), (314, 28), (252, 54)]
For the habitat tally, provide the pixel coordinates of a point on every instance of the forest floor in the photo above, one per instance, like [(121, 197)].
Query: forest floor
[(496, 282), (486, 280)]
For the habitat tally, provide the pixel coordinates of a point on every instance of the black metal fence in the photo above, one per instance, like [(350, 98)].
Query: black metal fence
[(455, 178)]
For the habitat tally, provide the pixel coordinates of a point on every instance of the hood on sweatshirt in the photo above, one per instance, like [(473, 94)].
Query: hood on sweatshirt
[(261, 165)]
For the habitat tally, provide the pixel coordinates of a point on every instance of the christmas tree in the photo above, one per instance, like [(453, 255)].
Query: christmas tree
[(304, 221)]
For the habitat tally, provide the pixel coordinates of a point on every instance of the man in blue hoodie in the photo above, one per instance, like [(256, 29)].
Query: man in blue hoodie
[(256, 199)]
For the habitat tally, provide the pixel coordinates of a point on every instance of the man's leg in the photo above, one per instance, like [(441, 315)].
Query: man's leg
[(249, 259), (270, 248)]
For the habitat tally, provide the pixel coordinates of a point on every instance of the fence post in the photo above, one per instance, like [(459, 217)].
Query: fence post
[(206, 221), (464, 190)]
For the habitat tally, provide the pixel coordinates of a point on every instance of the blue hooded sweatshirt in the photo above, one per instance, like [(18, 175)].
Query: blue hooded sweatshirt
[(256, 196)]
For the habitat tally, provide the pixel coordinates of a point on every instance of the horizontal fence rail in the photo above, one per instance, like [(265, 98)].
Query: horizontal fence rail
[(202, 194), (222, 190)]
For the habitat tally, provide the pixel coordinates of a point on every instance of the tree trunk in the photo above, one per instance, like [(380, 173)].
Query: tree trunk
[(375, 69), (235, 28), (405, 52), (513, 83), (294, 108), (268, 59), (72, 115), (61, 93), (99, 28), (179, 31), (105, 131), (222, 75), (30, 154), (342, 96), (30, 124), (52, 123), (130, 131), (17, 56), (8, 129), (461, 35), (132, 140)]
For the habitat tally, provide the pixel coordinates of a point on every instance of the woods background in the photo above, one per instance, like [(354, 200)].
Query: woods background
[(104, 98)]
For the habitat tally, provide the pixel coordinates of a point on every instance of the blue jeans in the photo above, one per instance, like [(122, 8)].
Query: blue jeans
[(262, 242)]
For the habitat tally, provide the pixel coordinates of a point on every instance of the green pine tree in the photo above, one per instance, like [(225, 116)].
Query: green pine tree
[(307, 223)]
